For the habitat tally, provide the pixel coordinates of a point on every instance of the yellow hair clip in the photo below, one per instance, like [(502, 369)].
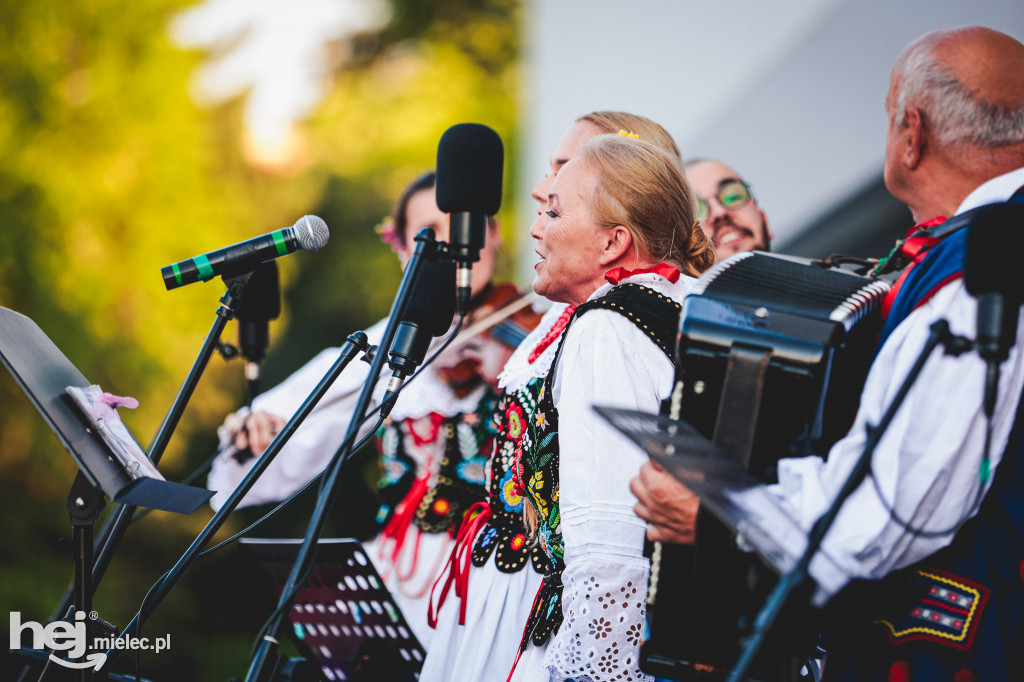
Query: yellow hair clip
[(629, 134)]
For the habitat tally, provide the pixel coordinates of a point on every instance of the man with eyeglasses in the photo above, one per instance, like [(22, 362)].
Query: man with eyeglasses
[(732, 219), (727, 210)]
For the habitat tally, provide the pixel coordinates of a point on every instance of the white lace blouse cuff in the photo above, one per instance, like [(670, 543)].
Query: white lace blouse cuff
[(600, 638)]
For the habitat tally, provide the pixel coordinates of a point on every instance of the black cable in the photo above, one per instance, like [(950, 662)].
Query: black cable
[(46, 667), (285, 602), (444, 346), (954, 345), (451, 337), (68, 617), (921, 532), (356, 342), (138, 621), (280, 506)]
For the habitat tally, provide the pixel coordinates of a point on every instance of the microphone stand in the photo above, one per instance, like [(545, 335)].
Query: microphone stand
[(263, 662), (115, 526), (797, 576), (356, 342)]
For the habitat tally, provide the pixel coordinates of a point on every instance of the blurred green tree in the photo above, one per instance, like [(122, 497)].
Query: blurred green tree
[(108, 171)]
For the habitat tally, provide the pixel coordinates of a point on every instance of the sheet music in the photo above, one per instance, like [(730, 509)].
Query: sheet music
[(107, 424)]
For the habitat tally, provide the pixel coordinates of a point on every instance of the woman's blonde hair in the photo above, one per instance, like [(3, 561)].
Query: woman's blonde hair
[(641, 126), (643, 188), (641, 185)]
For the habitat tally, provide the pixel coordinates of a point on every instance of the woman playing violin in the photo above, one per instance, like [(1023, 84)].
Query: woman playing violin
[(434, 445)]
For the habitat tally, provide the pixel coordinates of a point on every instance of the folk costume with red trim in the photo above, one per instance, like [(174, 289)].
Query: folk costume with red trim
[(959, 613), (546, 458)]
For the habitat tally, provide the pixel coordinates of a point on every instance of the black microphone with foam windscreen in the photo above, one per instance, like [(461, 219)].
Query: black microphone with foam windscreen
[(310, 233), (991, 275), (428, 313), (470, 157), (260, 304)]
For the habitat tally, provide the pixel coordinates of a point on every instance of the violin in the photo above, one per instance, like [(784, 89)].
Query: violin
[(500, 320)]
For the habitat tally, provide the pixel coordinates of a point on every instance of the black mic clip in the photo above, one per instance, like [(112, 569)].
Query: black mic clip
[(427, 313), (956, 345), (227, 351), (429, 248), (369, 355), (232, 297)]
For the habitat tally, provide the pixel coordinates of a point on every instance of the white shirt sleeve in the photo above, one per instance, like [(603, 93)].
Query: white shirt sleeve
[(926, 466), (311, 447), (606, 361)]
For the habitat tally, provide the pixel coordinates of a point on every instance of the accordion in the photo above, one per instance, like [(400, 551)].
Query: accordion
[(772, 354)]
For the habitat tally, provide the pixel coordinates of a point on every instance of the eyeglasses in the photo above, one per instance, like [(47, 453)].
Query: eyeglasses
[(732, 195)]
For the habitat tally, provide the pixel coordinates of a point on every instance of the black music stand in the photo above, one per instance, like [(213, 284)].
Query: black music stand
[(344, 616), (108, 456)]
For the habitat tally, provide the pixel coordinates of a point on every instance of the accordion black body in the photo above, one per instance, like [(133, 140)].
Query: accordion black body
[(772, 353)]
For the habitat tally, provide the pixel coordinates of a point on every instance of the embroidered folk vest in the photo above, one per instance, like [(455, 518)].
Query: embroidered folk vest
[(533, 433)]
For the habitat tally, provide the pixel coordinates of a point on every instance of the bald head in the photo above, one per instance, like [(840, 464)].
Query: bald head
[(968, 83), (956, 117), (988, 63)]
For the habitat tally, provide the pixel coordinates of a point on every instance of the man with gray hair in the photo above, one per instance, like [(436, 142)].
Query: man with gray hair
[(939, 519), (956, 117)]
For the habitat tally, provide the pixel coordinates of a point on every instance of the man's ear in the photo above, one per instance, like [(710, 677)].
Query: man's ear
[(617, 242), (768, 234), (494, 232), (913, 134)]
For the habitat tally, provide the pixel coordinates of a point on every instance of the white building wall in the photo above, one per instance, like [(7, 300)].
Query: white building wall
[(790, 92)]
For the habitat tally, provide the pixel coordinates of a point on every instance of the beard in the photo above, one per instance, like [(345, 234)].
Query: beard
[(760, 238)]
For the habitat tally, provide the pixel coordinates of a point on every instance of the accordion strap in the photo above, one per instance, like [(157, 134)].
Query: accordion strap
[(740, 404)]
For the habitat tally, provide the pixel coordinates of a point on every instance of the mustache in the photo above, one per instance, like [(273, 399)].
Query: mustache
[(727, 223)]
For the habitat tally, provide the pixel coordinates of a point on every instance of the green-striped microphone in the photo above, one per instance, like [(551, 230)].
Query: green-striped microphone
[(310, 233)]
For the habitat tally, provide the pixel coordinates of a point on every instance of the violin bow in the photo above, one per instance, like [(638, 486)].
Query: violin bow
[(494, 318)]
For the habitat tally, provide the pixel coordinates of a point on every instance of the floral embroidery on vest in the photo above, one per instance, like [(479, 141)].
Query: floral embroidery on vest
[(460, 482), (536, 464), (505, 535)]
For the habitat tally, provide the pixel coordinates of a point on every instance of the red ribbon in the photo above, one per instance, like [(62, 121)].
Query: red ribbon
[(456, 571), (915, 247), (400, 523), (434, 427), (553, 333), (523, 640), (669, 272)]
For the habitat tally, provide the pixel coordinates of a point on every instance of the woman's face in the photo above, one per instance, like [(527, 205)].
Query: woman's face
[(422, 211), (570, 242), (568, 147)]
